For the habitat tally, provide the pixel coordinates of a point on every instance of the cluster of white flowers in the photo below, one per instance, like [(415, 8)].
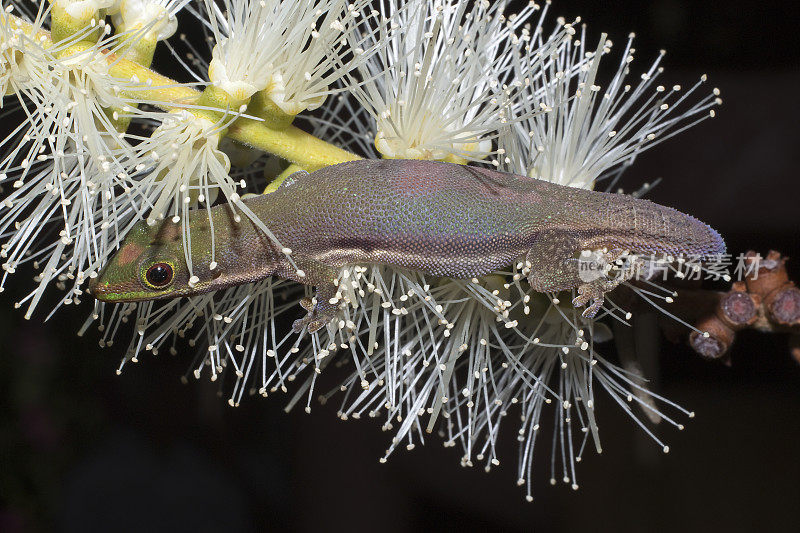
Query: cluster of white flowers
[(106, 143), (591, 131), (72, 197), (442, 86)]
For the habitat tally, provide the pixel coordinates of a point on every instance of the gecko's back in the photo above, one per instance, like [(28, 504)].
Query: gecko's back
[(441, 218), (459, 221)]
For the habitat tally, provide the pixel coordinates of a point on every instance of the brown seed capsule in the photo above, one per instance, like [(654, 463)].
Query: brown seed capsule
[(784, 305), (718, 341), (738, 308)]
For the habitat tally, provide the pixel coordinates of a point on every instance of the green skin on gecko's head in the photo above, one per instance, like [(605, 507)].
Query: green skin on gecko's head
[(149, 265)]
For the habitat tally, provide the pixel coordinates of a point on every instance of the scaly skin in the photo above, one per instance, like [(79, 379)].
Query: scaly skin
[(439, 218)]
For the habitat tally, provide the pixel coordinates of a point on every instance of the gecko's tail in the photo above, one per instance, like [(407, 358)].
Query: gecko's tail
[(718, 243), (702, 239), (707, 241), (667, 230)]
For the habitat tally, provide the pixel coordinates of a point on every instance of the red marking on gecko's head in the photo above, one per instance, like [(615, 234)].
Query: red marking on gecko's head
[(128, 253)]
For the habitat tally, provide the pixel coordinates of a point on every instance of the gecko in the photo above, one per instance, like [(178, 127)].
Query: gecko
[(443, 219)]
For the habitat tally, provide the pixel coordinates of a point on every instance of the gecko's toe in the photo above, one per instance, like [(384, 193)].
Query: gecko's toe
[(316, 325), (320, 310), (589, 292), (313, 321), (592, 310), (586, 293), (310, 322), (580, 301)]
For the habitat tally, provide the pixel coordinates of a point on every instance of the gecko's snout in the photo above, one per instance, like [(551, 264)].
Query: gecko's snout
[(119, 281), (97, 290), (91, 288)]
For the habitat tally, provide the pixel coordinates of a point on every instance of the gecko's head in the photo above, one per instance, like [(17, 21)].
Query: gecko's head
[(149, 265)]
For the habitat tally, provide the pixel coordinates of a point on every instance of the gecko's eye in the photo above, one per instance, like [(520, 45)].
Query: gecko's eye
[(159, 275)]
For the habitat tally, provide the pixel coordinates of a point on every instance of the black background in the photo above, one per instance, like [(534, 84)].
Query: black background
[(82, 449)]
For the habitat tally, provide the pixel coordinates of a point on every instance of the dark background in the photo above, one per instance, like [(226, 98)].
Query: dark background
[(82, 449)]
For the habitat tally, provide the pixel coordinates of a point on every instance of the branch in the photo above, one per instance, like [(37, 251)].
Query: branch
[(766, 300)]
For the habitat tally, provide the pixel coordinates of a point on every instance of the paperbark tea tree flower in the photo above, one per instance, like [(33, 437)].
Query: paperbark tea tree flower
[(594, 129), (158, 16), (290, 51), (417, 79), (68, 165), (593, 132), (441, 88)]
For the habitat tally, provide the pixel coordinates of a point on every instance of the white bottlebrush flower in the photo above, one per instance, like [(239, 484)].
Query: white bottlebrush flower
[(472, 353), (594, 129), (66, 217), (293, 51), (155, 17), (439, 86), (72, 199), (185, 164)]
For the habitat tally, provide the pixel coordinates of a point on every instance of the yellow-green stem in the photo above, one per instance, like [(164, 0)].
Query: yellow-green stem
[(213, 99), (140, 50), (263, 107), (290, 143)]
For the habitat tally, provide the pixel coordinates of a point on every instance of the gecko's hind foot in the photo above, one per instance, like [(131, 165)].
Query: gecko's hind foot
[(590, 292)]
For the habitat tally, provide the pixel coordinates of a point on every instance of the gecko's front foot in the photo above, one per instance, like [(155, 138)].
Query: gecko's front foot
[(320, 312), (312, 322)]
